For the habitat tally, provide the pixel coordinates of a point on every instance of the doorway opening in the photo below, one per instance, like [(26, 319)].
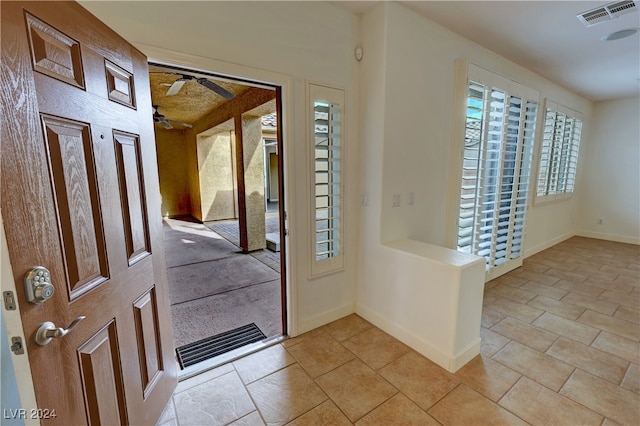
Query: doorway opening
[(219, 147)]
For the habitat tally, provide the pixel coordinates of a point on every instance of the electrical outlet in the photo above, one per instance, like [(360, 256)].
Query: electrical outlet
[(600, 221), (412, 198), (396, 200)]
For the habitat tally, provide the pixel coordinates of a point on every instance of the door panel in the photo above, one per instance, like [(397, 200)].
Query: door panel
[(80, 197)]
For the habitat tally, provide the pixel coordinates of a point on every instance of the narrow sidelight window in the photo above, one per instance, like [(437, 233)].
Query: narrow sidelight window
[(327, 118)]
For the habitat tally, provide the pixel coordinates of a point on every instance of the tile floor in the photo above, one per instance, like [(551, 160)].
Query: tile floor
[(560, 346)]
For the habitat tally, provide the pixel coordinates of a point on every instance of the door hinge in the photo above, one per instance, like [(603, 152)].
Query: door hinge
[(9, 300), (16, 345)]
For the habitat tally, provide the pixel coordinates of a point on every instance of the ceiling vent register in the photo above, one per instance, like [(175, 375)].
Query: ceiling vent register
[(607, 12)]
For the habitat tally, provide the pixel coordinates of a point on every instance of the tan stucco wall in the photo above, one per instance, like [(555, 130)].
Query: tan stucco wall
[(253, 157), (172, 170), (216, 174)]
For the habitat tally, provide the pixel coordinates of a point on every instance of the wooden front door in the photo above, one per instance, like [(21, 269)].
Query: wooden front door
[(80, 198)]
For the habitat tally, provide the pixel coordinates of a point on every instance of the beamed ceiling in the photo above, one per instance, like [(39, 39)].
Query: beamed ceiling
[(194, 102)]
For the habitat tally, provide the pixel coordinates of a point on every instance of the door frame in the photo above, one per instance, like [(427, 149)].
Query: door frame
[(282, 170), (234, 71)]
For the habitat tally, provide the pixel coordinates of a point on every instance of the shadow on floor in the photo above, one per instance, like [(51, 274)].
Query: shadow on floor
[(213, 287)]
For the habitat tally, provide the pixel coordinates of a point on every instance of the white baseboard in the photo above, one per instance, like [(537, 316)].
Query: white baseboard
[(540, 247), (609, 237), (467, 355), (325, 318), (409, 338), (581, 233)]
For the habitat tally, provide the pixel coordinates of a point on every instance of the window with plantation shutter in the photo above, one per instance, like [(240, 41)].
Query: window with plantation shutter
[(327, 118), (558, 153), (499, 133)]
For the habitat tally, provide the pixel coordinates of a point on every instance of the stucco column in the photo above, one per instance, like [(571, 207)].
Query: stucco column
[(251, 183)]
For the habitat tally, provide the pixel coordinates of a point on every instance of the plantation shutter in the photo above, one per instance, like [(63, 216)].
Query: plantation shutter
[(327, 124), (499, 133), (558, 153)]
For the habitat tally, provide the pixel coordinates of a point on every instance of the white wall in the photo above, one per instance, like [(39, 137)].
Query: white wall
[(418, 75), (302, 41), (610, 187)]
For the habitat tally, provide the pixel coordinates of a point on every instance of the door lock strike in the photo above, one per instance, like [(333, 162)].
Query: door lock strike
[(9, 300), (16, 345)]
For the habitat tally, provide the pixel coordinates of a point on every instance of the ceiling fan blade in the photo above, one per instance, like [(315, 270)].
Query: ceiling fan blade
[(176, 86), (180, 123), (216, 88), (166, 124)]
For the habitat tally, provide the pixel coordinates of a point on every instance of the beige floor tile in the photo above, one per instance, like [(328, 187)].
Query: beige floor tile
[(559, 265), (525, 333), (320, 354), (262, 363), (536, 267), (602, 306), (423, 381), (508, 279), (168, 414), (629, 278), (618, 346), (613, 325), (301, 338), (628, 314), (619, 298), (399, 410), (612, 401), (325, 414), (596, 362), (217, 402), (490, 318), (594, 272), (620, 271), (537, 277), (465, 406), (563, 274), (346, 327), (511, 308), (514, 293), (631, 380), (564, 327), (251, 419), (538, 405), (610, 284), (203, 377), (488, 377), (557, 307), (582, 288), (286, 394), (492, 342), (375, 347), (537, 366), (356, 389), (544, 290)]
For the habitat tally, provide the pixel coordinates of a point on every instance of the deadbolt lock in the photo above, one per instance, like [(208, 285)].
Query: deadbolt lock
[(37, 285)]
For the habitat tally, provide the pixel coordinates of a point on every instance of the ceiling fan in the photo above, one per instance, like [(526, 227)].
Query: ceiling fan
[(177, 85), (165, 122)]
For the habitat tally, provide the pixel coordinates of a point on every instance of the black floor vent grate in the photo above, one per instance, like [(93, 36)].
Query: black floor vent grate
[(219, 344)]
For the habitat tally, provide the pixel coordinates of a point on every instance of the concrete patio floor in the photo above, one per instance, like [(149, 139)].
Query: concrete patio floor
[(213, 286)]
